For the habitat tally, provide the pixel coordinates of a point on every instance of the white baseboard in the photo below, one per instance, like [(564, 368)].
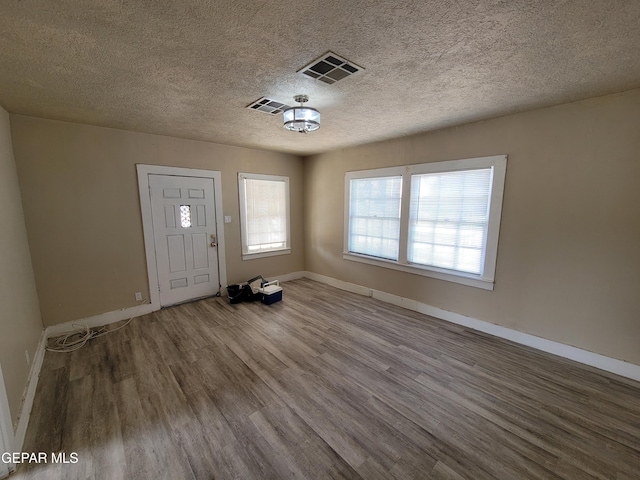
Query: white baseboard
[(608, 364), (29, 394), (349, 287), (100, 320), (290, 276), (6, 429)]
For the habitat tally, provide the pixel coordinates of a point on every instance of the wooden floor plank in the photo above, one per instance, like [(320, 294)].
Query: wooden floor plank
[(325, 384), (109, 460)]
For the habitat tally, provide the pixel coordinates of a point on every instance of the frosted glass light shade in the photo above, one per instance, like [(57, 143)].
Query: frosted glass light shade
[(301, 119)]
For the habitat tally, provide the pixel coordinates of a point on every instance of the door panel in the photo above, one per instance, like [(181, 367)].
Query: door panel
[(184, 227), (200, 250), (170, 216), (201, 215)]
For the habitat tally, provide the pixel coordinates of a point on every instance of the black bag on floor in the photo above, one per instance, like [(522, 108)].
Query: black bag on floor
[(235, 293), (244, 293), (250, 296)]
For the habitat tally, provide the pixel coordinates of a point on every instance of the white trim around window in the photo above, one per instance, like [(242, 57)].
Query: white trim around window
[(485, 265), (264, 215)]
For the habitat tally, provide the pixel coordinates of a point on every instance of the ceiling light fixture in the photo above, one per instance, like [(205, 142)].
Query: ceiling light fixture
[(301, 119)]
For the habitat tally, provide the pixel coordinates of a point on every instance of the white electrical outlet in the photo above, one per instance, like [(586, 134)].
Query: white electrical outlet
[(26, 354), (139, 296), (227, 219)]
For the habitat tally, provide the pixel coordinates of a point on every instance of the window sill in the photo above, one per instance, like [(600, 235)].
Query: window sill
[(270, 253), (440, 274)]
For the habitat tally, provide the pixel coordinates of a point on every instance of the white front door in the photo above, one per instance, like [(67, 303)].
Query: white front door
[(185, 237)]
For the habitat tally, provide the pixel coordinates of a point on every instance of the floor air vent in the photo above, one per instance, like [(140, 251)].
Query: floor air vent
[(330, 68), (267, 105)]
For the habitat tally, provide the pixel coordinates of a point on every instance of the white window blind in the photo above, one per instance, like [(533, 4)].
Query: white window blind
[(264, 213), (374, 216), (448, 219)]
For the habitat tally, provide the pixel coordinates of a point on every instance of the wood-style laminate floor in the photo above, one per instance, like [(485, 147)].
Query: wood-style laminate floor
[(323, 385)]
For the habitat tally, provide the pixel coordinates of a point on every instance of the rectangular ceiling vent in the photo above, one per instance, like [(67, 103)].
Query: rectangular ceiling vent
[(330, 68), (267, 105)]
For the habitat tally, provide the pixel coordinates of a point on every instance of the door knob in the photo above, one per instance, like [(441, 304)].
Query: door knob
[(214, 244)]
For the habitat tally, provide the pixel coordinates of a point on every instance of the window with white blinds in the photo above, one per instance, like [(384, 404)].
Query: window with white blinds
[(374, 216), (264, 214), (448, 219), (438, 219)]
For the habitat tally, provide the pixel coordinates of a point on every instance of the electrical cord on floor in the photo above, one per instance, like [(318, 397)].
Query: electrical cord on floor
[(79, 337)]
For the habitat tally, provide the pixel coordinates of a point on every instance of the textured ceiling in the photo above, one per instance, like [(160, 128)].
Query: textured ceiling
[(188, 68)]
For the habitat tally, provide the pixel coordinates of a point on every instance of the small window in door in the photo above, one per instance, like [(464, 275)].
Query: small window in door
[(185, 216)]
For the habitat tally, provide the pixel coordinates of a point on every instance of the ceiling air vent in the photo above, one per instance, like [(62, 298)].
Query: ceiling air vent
[(267, 105), (330, 68)]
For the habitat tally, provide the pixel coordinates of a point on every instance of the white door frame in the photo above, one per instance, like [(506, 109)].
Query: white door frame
[(147, 221), (6, 429)]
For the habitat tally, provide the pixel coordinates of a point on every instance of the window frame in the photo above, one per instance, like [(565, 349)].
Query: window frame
[(486, 279), (246, 254)]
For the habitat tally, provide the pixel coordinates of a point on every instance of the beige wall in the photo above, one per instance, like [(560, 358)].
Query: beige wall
[(20, 323), (569, 254), (82, 210), (568, 260)]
